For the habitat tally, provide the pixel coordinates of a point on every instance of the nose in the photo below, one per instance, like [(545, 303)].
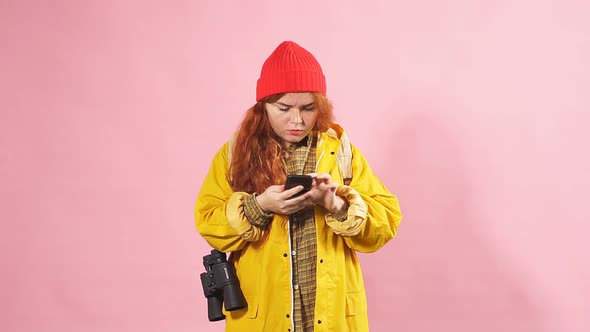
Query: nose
[(296, 115)]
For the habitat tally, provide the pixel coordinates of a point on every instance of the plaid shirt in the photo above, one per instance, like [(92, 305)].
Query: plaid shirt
[(299, 159)]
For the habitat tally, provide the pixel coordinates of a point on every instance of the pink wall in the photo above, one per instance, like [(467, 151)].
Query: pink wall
[(473, 113)]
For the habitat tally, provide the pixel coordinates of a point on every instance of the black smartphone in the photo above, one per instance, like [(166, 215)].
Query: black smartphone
[(299, 180)]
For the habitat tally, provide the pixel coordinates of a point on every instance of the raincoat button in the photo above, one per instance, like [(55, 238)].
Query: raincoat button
[(288, 316), (285, 255), (321, 260), (319, 321), (331, 152)]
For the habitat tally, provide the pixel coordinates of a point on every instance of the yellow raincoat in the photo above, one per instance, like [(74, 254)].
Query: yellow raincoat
[(263, 258)]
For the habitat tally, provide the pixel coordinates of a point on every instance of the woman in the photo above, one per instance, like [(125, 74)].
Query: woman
[(294, 255)]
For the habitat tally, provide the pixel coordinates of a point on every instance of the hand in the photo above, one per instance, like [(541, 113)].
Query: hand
[(323, 192), (278, 200)]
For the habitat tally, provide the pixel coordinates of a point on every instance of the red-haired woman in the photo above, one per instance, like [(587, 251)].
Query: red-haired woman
[(295, 255)]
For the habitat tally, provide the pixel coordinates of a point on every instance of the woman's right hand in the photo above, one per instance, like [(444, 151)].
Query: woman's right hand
[(278, 200)]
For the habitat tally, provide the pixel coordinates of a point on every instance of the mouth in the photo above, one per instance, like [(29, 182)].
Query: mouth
[(295, 132)]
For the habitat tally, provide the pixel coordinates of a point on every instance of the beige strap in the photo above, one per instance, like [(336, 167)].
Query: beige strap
[(344, 158)]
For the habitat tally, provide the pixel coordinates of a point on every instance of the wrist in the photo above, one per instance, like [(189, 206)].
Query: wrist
[(262, 203), (340, 205)]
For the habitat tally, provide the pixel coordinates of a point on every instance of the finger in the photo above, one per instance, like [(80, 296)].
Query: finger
[(300, 205), (309, 200), (323, 177), (306, 198), (332, 185), (298, 200), (290, 192), (278, 188)]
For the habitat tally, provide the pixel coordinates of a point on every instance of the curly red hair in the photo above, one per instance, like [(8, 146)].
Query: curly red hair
[(256, 162)]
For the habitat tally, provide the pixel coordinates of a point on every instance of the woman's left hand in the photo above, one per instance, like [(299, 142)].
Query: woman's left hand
[(323, 192)]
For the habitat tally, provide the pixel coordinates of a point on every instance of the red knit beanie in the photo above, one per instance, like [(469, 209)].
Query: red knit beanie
[(290, 68)]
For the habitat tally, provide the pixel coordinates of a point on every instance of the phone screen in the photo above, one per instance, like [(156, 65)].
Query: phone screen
[(299, 180)]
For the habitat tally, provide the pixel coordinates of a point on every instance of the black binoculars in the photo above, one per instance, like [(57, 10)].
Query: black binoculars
[(221, 286)]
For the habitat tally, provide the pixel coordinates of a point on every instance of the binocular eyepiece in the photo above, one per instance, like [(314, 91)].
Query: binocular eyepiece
[(221, 286)]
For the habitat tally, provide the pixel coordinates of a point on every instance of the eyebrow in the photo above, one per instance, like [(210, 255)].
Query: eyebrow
[(287, 105)]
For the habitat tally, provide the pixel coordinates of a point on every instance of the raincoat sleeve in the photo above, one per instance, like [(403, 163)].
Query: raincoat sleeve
[(372, 224), (219, 211)]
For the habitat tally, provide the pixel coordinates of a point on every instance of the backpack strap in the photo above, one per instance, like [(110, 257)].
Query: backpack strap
[(344, 158)]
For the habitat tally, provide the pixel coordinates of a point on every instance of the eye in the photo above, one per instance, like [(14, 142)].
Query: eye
[(308, 108), (283, 109)]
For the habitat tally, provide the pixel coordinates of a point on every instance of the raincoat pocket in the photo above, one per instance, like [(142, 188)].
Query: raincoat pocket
[(356, 304), (251, 311)]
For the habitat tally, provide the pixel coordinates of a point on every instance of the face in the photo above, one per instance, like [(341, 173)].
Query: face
[(292, 117)]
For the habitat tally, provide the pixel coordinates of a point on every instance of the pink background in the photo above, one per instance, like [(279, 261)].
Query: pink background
[(473, 113)]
